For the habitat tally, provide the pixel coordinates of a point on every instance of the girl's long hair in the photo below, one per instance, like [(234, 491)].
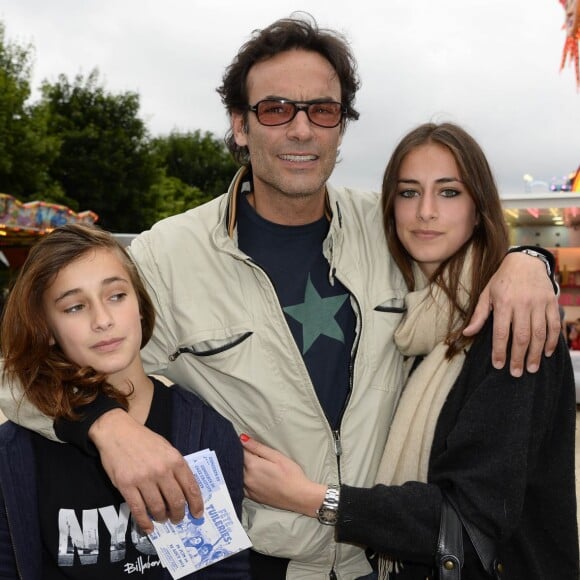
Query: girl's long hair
[(490, 238), (49, 380)]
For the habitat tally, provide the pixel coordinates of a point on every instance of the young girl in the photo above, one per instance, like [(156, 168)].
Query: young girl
[(499, 450), (73, 326)]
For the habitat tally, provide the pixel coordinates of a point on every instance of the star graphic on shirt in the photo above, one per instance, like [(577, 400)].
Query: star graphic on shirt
[(316, 314)]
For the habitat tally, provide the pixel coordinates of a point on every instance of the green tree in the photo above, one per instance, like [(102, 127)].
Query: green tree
[(26, 151), (198, 160), (105, 161), (173, 196)]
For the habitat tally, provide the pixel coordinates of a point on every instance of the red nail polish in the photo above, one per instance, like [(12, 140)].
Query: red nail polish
[(244, 437)]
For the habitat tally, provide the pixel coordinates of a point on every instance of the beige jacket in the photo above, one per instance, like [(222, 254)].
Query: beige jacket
[(221, 332)]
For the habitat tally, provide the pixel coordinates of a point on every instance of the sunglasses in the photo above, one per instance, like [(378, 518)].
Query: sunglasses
[(274, 112)]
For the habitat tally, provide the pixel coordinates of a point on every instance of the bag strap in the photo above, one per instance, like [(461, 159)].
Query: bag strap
[(449, 556), (450, 545)]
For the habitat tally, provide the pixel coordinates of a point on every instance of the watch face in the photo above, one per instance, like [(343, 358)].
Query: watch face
[(327, 516), (327, 513)]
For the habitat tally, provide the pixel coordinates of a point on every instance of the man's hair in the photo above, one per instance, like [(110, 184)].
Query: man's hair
[(490, 238), (300, 31), (50, 381)]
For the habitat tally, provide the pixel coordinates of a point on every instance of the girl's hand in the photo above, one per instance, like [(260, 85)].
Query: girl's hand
[(273, 479)]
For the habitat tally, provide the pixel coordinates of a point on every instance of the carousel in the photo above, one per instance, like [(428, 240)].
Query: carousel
[(22, 224)]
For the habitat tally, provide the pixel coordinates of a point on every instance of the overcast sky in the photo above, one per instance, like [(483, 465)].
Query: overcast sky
[(491, 65)]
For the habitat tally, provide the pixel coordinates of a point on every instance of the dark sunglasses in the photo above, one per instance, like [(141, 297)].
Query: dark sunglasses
[(273, 112)]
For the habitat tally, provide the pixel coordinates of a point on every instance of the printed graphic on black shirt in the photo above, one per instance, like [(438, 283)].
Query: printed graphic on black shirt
[(85, 524), (82, 541)]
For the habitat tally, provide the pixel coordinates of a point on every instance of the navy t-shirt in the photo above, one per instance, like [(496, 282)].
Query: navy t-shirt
[(319, 314), (86, 527)]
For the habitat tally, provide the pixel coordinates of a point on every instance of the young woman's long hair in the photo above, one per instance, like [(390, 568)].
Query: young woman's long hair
[(51, 382), (490, 239)]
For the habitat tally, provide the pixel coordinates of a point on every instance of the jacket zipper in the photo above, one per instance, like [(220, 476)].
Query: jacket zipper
[(335, 432)]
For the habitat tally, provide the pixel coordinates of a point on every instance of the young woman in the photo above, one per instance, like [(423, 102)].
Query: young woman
[(499, 449), (73, 326)]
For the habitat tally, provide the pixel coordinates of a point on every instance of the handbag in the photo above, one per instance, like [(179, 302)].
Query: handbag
[(449, 555)]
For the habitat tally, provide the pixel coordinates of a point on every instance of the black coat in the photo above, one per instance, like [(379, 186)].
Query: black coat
[(504, 451)]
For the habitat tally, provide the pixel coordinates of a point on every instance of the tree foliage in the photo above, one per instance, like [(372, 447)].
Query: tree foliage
[(26, 151), (173, 196), (87, 148), (105, 162), (197, 159)]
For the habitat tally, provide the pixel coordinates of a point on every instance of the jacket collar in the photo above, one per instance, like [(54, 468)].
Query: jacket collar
[(243, 182)]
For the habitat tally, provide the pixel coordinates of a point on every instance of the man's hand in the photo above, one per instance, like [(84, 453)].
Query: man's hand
[(152, 476), (273, 479), (521, 296)]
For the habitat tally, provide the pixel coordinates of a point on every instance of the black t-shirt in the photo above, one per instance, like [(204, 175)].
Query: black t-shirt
[(318, 313), (86, 527)]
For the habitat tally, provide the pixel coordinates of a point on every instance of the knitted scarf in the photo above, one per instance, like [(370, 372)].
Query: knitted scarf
[(422, 332)]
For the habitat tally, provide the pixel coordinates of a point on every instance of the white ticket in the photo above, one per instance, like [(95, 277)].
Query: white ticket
[(195, 543)]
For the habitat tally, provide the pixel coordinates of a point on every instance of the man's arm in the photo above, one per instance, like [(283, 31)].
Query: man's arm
[(523, 301), (149, 472), (19, 410)]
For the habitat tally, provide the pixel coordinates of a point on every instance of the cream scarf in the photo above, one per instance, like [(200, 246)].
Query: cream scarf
[(421, 333)]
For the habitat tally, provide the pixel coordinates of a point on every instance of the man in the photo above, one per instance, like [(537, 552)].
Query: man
[(277, 304)]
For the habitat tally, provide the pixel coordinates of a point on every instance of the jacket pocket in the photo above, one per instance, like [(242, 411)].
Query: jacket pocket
[(395, 305), (383, 360), (212, 346)]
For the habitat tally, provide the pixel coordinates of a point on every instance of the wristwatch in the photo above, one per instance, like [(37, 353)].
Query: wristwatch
[(540, 257), (545, 256), (328, 511)]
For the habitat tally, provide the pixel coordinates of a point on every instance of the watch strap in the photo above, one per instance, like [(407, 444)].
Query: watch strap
[(327, 513), (545, 256)]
